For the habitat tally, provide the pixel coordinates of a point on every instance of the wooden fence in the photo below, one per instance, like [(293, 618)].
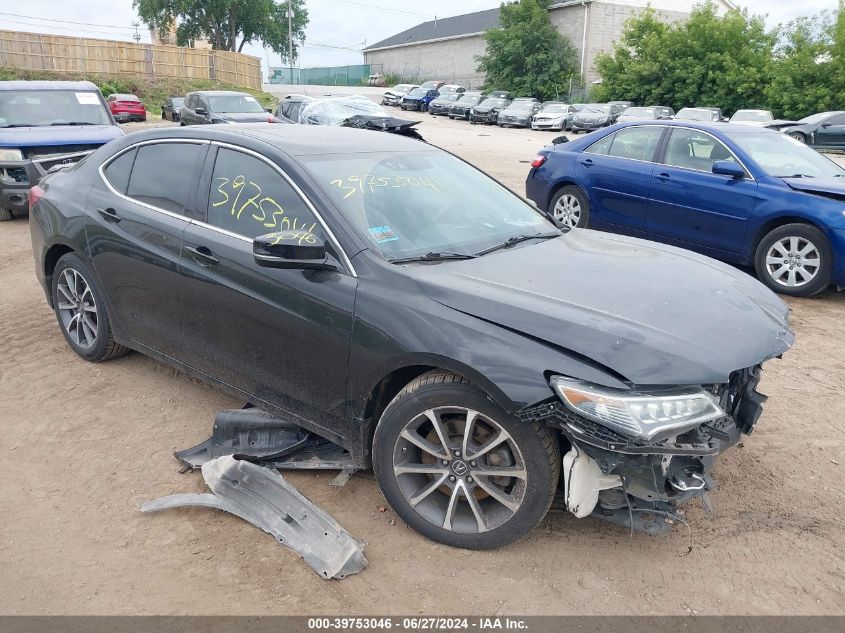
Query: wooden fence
[(38, 51)]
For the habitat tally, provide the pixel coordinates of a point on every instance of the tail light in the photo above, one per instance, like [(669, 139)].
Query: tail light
[(35, 194), (538, 160)]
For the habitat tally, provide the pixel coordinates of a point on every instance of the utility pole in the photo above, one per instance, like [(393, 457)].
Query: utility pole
[(290, 40), (136, 35)]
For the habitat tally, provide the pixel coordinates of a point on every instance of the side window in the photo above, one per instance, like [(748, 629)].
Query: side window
[(601, 147), (637, 143), (117, 172), (162, 174), (250, 198), (200, 101), (839, 119), (189, 102), (691, 149)]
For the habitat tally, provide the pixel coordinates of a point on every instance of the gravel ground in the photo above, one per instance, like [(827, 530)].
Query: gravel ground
[(84, 444)]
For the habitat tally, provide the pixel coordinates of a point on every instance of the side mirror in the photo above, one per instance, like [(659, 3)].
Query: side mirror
[(201, 111), (728, 168), (291, 249)]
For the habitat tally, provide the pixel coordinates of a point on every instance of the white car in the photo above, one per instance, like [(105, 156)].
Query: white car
[(393, 96), (758, 118), (553, 116)]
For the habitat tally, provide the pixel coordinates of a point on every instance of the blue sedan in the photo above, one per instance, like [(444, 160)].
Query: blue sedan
[(744, 195)]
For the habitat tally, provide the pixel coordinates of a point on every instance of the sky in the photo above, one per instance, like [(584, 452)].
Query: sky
[(337, 29)]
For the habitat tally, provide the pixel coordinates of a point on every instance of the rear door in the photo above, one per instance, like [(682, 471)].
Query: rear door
[(135, 218), (831, 133), (280, 336), (692, 206), (616, 173)]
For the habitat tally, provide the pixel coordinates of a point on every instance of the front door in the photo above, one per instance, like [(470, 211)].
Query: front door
[(616, 173), (134, 223), (280, 336), (693, 207), (831, 133)]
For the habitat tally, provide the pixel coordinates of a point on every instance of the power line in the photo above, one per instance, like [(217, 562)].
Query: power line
[(62, 28), (32, 17), (363, 5)]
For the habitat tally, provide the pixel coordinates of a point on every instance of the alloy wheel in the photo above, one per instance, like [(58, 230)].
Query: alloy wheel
[(793, 261), (77, 308), (567, 211), (460, 470)]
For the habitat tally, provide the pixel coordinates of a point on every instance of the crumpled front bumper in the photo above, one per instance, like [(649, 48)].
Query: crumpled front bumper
[(621, 479)]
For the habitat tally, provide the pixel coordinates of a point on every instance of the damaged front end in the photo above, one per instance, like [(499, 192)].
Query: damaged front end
[(635, 457)]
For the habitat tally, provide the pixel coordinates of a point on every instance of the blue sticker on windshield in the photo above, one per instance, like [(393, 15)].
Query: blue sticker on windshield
[(383, 234)]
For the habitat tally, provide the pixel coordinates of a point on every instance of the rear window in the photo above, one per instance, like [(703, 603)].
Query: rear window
[(162, 175), (37, 108), (117, 172)]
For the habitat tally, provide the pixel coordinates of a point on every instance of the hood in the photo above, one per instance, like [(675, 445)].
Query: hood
[(58, 135), (243, 117), (831, 187), (655, 314), (591, 116), (519, 114), (486, 109)]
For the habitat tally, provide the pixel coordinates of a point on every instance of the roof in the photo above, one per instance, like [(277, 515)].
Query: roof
[(47, 85), (444, 28), (293, 139), (212, 93)]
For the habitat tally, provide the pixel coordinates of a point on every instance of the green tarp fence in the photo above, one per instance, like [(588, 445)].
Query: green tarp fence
[(324, 76)]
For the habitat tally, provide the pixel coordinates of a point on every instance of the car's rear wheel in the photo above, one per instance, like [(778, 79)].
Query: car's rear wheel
[(795, 259), (81, 310), (570, 208), (459, 469), (798, 136)]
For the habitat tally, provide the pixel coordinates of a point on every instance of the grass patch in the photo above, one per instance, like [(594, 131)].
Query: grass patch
[(152, 92)]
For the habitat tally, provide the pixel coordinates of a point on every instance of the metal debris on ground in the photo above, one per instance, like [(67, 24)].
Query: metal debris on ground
[(264, 498)]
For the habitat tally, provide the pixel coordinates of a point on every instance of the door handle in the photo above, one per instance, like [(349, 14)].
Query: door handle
[(588, 162), (109, 214), (202, 255), (663, 176)]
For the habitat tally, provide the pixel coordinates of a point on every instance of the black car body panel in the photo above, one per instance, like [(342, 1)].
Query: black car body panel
[(280, 338), (488, 110), (171, 108), (828, 132)]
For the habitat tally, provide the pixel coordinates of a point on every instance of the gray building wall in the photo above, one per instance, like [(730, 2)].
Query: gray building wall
[(453, 60)]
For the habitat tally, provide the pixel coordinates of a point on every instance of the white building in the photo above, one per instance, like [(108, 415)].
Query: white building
[(446, 48)]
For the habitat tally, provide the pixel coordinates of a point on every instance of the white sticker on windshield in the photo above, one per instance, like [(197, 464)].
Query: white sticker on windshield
[(249, 98), (87, 98)]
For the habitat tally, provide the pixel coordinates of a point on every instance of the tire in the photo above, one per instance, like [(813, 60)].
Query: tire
[(520, 502), (6, 215), (67, 292), (570, 207), (795, 260), (799, 136)]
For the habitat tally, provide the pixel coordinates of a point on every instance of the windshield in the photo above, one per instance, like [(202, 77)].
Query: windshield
[(522, 106), (493, 102), (816, 118), (783, 157), (334, 111), (450, 96), (178, 102), (555, 107), (755, 116), (402, 87), (596, 107), (470, 99), (694, 115), (417, 92), (24, 108), (641, 112), (408, 204), (233, 103)]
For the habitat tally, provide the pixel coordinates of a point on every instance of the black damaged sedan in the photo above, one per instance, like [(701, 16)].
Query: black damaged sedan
[(393, 299)]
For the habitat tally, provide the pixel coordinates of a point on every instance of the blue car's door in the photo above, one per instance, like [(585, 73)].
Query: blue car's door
[(693, 207), (616, 172)]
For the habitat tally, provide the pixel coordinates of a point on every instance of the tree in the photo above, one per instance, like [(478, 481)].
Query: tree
[(225, 22), (526, 55), (707, 60)]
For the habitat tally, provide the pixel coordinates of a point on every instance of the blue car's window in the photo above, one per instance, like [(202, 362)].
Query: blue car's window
[(784, 157), (636, 143), (250, 198), (693, 149), (601, 147), (408, 204), (51, 107)]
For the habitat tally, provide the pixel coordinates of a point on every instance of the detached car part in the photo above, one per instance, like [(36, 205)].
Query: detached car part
[(262, 497)]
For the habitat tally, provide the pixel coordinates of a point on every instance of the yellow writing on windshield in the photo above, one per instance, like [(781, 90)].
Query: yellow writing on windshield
[(371, 184), (238, 195)]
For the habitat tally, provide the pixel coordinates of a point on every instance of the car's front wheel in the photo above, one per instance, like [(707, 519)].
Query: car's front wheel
[(798, 136), (795, 259), (570, 208), (459, 469), (81, 310)]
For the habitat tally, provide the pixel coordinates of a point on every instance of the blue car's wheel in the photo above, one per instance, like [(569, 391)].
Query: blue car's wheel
[(570, 208), (795, 259)]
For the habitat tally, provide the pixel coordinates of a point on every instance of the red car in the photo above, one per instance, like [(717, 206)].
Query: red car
[(126, 108)]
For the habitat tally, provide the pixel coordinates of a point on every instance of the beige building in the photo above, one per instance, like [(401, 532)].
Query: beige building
[(169, 37), (446, 49)]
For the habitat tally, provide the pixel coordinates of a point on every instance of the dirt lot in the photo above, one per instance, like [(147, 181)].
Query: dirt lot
[(83, 445)]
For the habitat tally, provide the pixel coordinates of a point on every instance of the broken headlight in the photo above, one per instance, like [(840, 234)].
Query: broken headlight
[(637, 414), (11, 154)]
